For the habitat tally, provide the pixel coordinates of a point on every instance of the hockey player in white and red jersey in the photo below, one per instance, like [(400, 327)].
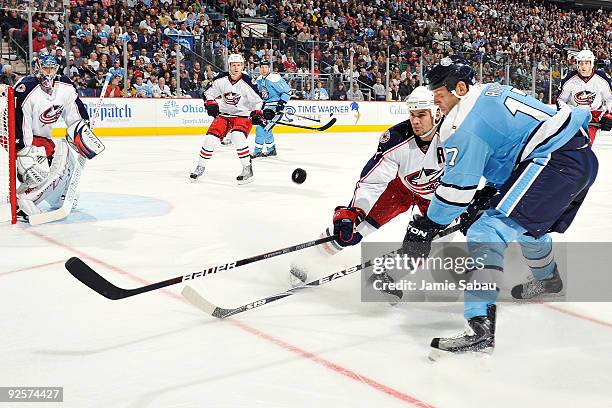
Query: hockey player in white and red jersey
[(234, 103), (45, 168), (403, 174), (588, 88)]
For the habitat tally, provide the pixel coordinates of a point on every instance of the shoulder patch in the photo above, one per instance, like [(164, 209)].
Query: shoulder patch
[(20, 88), (395, 135), (384, 138)]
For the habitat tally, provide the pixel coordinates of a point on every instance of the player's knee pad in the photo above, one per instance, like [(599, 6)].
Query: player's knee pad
[(83, 140), (237, 137), (32, 166)]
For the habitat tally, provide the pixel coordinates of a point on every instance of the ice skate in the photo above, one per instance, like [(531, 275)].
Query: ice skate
[(199, 170), (271, 153), (551, 286), (478, 337), (394, 295), (246, 176), (257, 155)]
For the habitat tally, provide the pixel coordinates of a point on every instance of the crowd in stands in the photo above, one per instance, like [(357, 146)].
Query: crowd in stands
[(403, 37)]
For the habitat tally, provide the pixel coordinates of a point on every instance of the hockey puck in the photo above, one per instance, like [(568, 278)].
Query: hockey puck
[(298, 176)]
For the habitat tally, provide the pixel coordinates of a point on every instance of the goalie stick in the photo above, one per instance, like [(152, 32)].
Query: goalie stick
[(69, 200), (93, 280), (204, 305)]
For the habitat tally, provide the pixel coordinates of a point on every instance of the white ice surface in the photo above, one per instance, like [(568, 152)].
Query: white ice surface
[(141, 221)]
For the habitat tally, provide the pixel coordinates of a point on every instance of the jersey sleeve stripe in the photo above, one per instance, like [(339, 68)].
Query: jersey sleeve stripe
[(455, 186), (546, 132), (454, 196)]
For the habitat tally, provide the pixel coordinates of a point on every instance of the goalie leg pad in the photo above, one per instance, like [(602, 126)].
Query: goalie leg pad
[(83, 140), (63, 174), (32, 166)]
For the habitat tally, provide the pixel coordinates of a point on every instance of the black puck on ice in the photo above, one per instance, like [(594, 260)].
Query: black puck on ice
[(298, 176)]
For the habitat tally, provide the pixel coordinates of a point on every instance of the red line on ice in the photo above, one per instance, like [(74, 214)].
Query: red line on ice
[(29, 268), (578, 315), (274, 340)]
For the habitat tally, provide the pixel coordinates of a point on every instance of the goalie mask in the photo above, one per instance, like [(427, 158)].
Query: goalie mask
[(46, 72)]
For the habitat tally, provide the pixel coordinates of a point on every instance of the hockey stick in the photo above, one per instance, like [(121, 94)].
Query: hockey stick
[(93, 280), (66, 208), (303, 117), (316, 128), (207, 307)]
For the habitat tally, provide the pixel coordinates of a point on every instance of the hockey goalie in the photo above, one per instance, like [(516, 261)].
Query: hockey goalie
[(46, 170)]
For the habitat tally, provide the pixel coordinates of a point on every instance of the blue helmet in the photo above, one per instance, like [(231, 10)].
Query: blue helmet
[(46, 71), (449, 72)]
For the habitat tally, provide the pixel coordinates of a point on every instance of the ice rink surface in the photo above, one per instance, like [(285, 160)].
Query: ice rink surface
[(141, 221)]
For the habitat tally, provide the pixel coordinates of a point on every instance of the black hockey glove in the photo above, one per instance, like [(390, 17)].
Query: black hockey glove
[(269, 114), (212, 108), (480, 202), (605, 121), (257, 117), (280, 105), (419, 234)]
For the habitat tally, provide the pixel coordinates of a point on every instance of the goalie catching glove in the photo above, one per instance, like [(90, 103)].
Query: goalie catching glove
[(80, 136)]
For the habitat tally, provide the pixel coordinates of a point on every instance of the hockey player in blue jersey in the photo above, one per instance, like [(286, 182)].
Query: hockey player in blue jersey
[(538, 165), (275, 93)]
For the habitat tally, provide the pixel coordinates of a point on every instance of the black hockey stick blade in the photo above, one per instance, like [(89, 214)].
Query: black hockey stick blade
[(208, 307), (90, 278), (318, 129), (94, 281)]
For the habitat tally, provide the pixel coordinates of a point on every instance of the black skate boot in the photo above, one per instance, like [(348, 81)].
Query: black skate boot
[(534, 288), (271, 153), (199, 170), (479, 336), (246, 176), (257, 155), (395, 295)]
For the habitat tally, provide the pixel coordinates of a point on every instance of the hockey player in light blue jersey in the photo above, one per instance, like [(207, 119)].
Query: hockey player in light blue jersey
[(538, 165), (275, 93)]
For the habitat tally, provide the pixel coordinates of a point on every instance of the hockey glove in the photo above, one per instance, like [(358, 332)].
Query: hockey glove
[(419, 234), (480, 202), (269, 114), (257, 117), (346, 220), (212, 108), (280, 105), (605, 121)]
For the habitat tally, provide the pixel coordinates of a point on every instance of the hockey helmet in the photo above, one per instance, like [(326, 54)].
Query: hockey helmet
[(422, 98), (235, 58), (449, 72), (585, 55)]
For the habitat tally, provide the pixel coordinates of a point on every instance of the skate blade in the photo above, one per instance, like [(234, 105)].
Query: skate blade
[(247, 181), (193, 180), (436, 355)]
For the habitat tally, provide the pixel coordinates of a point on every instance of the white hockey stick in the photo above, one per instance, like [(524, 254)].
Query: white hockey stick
[(66, 208)]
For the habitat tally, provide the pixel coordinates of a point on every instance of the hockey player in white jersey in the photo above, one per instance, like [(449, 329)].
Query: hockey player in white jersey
[(234, 103), (44, 168), (403, 174), (588, 88)]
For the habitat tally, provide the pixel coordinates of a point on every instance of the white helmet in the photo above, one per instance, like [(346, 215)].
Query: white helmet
[(585, 55), (235, 58), (422, 98)]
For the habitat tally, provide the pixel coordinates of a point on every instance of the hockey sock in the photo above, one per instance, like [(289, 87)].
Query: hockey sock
[(242, 148), (538, 253), (208, 147)]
